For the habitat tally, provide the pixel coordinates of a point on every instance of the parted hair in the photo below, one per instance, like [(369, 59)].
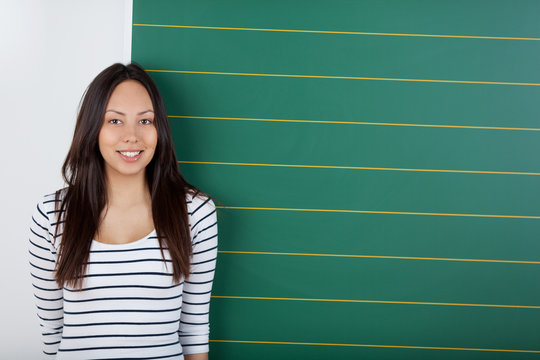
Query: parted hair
[(79, 206)]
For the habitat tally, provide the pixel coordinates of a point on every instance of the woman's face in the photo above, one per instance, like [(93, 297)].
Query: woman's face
[(128, 136)]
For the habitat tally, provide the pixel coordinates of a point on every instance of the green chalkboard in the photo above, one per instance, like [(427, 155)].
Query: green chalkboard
[(376, 168)]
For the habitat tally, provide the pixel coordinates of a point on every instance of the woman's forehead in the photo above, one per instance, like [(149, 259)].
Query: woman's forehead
[(132, 96)]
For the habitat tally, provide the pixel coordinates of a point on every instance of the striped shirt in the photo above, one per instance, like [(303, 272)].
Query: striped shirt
[(129, 307)]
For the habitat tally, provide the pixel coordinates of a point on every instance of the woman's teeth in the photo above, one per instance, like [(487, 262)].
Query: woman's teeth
[(130, 153)]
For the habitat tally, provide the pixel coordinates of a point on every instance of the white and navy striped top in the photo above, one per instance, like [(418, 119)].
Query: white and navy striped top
[(129, 306)]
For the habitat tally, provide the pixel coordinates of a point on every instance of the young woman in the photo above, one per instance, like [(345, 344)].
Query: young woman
[(122, 259)]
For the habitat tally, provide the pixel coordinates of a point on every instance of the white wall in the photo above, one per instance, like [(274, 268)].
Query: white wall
[(50, 50)]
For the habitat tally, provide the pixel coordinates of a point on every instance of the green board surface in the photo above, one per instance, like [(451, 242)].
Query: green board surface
[(375, 165)]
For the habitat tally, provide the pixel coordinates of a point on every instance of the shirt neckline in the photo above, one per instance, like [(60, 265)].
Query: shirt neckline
[(124, 245)]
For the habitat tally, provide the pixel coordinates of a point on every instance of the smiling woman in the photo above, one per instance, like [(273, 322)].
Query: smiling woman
[(123, 258)]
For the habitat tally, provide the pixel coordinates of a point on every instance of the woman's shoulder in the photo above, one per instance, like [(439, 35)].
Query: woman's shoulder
[(202, 217), (45, 215), (199, 204), (48, 203)]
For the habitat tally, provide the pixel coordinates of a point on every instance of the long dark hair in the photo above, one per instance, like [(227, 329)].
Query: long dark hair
[(80, 204)]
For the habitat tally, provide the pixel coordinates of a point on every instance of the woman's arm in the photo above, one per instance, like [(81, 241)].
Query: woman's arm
[(48, 296), (194, 324), (203, 356)]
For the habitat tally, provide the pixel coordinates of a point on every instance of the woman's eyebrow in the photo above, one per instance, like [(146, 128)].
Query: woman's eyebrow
[(121, 113), (145, 111), (116, 111)]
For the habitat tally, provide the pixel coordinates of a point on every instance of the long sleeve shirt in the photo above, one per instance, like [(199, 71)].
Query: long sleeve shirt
[(129, 306)]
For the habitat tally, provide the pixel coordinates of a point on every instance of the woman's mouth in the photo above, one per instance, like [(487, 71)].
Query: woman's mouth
[(130, 155)]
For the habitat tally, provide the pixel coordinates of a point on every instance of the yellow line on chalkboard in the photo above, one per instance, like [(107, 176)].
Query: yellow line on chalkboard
[(354, 123), (338, 32), (378, 257), (378, 212), (344, 77), (373, 346), (375, 301), (359, 168)]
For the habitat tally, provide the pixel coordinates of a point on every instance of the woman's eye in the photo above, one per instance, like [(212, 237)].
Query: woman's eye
[(146, 121), (115, 121)]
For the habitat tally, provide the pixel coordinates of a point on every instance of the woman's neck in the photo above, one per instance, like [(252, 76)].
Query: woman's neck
[(126, 191)]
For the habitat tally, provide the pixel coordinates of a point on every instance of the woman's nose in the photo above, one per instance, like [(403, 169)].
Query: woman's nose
[(130, 133)]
